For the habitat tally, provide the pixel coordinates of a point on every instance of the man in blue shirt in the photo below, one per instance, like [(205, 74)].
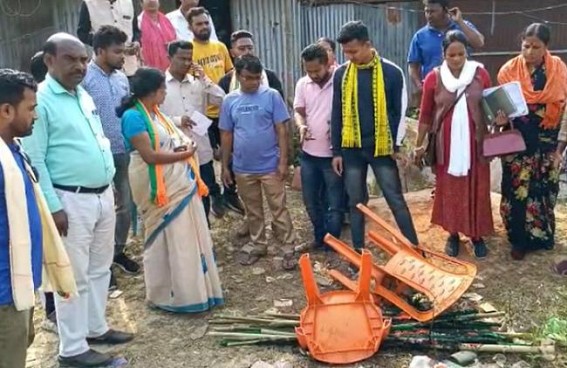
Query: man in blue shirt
[(253, 124), (74, 160), (367, 135), (107, 85), (426, 51), (17, 114)]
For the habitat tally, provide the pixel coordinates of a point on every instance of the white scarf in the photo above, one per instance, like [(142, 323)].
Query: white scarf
[(57, 270), (460, 150)]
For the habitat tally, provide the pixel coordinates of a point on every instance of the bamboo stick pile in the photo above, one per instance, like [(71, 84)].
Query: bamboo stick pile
[(466, 330)]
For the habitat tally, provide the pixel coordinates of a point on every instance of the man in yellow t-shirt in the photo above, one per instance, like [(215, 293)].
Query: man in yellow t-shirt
[(214, 58)]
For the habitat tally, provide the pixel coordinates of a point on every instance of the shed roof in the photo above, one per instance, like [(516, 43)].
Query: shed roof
[(327, 2)]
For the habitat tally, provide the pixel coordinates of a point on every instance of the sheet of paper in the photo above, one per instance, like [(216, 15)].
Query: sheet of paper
[(514, 91), (202, 123)]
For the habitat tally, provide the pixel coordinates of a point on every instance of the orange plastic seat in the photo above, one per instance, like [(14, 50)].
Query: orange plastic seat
[(340, 327), (443, 283)]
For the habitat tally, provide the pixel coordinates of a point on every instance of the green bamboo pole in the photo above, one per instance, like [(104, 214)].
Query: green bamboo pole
[(267, 321), (252, 336), (229, 343), (282, 315)]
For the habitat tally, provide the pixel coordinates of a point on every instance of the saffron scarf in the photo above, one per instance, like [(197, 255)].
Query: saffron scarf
[(351, 121), (57, 270), (554, 95), (155, 37), (158, 192)]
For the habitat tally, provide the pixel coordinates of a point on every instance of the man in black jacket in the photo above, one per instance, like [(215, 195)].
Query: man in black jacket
[(242, 43), (367, 107)]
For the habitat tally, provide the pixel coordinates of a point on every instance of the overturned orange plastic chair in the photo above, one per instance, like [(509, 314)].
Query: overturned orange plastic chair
[(340, 327), (408, 269)]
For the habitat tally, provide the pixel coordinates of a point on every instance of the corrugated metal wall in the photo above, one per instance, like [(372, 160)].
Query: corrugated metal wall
[(24, 28), (276, 25), (391, 28), (502, 22), (282, 28)]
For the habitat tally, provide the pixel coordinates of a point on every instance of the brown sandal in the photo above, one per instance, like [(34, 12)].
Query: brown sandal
[(251, 253)]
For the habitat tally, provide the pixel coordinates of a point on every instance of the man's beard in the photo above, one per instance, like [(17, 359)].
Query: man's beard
[(204, 36), (116, 66)]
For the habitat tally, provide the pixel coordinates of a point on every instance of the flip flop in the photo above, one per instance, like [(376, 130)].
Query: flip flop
[(289, 260), (250, 254)]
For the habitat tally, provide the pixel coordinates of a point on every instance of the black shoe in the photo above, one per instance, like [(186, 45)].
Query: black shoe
[(113, 285), (233, 203), (452, 247), (112, 337), (217, 206), (480, 250), (126, 264), (90, 358)]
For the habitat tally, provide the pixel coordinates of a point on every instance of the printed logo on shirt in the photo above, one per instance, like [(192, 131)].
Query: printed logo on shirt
[(212, 59), (247, 109)]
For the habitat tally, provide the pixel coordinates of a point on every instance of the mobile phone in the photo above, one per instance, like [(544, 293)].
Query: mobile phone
[(193, 71)]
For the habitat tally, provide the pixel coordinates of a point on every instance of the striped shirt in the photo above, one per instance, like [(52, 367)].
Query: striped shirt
[(107, 91)]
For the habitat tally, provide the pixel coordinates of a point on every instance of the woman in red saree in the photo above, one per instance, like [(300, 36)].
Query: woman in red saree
[(451, 101), (157, 33)]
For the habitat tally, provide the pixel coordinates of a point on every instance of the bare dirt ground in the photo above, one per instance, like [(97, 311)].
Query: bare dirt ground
[(528, 291)]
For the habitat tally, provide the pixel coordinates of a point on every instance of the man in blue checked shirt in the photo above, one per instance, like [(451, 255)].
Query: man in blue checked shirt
[(107, 85), (425, 51)]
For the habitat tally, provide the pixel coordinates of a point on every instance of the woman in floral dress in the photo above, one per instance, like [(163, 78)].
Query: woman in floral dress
[(530, 179)]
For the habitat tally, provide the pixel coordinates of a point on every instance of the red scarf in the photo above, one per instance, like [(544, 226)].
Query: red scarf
[(155, 37)]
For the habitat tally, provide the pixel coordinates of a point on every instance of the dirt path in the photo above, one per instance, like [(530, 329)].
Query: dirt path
[(528, 291)]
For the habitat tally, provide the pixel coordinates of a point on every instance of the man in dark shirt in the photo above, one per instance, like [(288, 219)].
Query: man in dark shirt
[(242, 43), (38, 70), (17, 114), (368, 134)]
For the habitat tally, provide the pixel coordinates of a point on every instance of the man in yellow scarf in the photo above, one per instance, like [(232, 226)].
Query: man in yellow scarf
[(366, 113)]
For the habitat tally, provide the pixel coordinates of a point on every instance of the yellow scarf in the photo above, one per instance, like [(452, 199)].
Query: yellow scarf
[(351, 121)]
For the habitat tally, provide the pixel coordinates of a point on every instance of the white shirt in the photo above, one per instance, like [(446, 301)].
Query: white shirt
[(183, 98), (181, 26)]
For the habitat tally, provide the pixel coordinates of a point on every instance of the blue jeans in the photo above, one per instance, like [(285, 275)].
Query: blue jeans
[(355, 162), (322, 194)]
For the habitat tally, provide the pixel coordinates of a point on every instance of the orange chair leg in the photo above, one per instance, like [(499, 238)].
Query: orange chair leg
[(364, 277), (383, 243), (353, 257), (395, 232), (309, 283)]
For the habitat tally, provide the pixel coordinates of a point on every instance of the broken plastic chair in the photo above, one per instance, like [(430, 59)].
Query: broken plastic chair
[(443, 283), (340, 327)]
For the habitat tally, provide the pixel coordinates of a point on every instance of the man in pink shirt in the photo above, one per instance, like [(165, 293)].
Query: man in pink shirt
[(322, 187)]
